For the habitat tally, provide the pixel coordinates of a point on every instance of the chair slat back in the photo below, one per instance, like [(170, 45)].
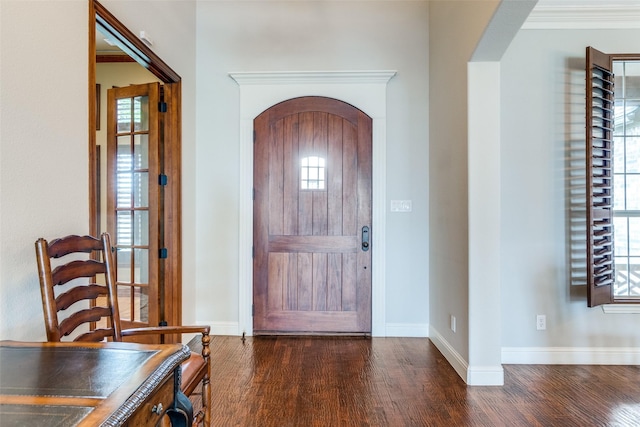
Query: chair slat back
[(100, 320)]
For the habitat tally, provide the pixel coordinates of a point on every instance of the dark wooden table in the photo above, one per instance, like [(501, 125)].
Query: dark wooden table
[(90, 384)]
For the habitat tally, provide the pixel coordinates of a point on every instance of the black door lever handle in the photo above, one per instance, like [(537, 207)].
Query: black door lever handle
[(365, 238)]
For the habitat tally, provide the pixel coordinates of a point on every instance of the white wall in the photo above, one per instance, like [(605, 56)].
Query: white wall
[(317, 36), (542, 117), (454, 30), (43, 147)]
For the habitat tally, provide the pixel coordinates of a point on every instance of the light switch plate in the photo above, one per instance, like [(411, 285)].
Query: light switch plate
[(401, 206)]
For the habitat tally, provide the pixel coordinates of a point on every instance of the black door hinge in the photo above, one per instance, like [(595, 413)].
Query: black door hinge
[(163, 253), (253, 310), (162, 107), (254, 136), (162, 179), (253, 251)]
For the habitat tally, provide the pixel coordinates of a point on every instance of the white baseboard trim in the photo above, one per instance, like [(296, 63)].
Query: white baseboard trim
[(472, 375), (222, 328), (407, 330), (571, 355), (453, 357), (485, 375)]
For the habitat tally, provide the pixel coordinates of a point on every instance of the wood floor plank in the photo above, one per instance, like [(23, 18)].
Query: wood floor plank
[(320, 381)]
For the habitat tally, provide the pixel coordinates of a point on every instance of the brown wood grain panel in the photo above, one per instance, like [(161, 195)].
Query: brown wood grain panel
[(145, 416), (313, 244), (363, 291), (349, 282), (320, 213), (276, 179), (172, 298), (334, 281), (291, 284), (277, 271), (113, 58), (291, 166), (305, 213), (364, 170), (320, 123), (94, 151), (306, 321), (350, 180), (305, 203), (305, 282), (310, 104), (320, 220), (319, 281), (334, 176), (363, 298), (260, 219)]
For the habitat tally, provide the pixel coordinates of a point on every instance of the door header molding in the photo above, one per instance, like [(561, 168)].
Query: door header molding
[(365, 90), (312, 77)]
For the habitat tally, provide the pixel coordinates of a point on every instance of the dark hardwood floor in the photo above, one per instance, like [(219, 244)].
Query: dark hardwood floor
[(313, 381)]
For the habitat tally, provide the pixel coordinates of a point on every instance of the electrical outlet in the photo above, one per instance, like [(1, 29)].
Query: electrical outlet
[(541, 322), (453, 323)]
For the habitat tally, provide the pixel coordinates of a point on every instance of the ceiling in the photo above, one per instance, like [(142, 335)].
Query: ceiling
[(584, 14), (547, 14)]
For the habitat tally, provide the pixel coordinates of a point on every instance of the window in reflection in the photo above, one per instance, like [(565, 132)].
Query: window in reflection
[(132, 207), (312, 173), (626, 178)]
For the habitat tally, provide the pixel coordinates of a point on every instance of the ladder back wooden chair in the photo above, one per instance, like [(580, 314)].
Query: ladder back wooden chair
[(99, 318)]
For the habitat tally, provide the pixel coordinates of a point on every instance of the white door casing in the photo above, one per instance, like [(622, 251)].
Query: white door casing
[(365, 90)]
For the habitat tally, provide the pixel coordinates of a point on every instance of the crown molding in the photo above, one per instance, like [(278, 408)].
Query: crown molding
[(584, 15)]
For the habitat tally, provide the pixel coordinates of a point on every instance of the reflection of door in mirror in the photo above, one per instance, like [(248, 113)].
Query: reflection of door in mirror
[(124, 180)]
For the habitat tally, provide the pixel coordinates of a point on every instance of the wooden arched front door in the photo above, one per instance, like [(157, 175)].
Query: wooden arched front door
[(312, 218)]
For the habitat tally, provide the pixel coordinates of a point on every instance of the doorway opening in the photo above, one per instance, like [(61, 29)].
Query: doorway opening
[(165, 274)]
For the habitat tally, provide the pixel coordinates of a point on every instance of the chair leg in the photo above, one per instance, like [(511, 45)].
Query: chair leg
[(206, 400), (206, 387), (198, 417), (203, 417)]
